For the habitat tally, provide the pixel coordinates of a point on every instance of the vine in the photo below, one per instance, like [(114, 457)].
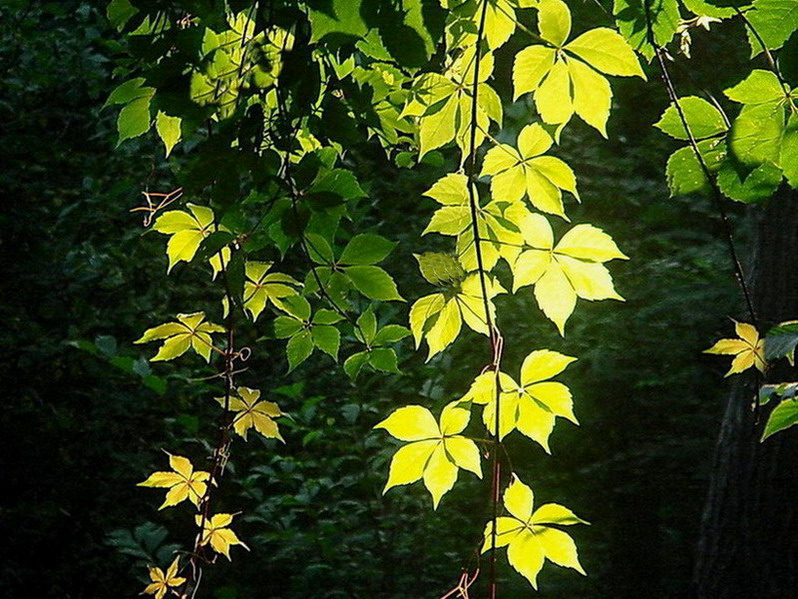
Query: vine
[(262, 102)]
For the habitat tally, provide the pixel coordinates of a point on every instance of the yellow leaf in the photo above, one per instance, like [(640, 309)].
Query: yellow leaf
[(748, 350), (183, 483), (215, 532), (189, 332), (606, 51), (529, 538), (162, 582), (435, 452), (554, 21), (530, 67), (592, 95), (553, 97), (251, 412)]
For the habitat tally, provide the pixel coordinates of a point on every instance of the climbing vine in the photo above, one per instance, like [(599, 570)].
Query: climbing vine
[(259, 106)]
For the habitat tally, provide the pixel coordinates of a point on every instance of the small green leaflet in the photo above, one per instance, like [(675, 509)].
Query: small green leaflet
[(304, 333)]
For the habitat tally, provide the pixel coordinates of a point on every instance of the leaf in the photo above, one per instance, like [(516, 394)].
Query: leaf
[(783, 416), (781, 340), (436, 450), (703, 119), (573, 268), (187, 230), (252, 412), (190, 331), (215, 532), (168, 128), (684, 172), (134, 119), (262, 287), (527, 535), (748, 349), (163, 581), (788, 154), (440, 269), (760, 87), (566, 80), (365, 249), (183, 482), (373, 282), (438, 318), (298, 349), (748, 186), (774, 21), (632, 18), (515, 173), (605, 50)]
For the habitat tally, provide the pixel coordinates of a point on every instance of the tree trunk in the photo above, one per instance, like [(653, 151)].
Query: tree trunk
[(748, 546)]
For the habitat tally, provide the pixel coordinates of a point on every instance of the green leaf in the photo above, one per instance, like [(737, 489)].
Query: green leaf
[(366, 249), (632, 21), (129, 91), (684, 172), (781, 340), (756, 133), (782, 417), (340, 182), (703, 119), (703, 8), (384, 359), (354, 364), (319, 249), (285, 326), (760, 87), (134, 119), (788, 156), (757, 185), (373, 282), (168, 128), (327, 339), (774, 21), (440, 269), (119, 12), (338, 17), (390, 334), (298, 349), (367, 325)]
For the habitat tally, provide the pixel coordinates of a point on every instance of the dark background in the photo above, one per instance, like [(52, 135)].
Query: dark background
[(80, 283)]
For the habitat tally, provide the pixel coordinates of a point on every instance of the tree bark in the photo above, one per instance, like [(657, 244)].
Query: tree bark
[(748, 545)]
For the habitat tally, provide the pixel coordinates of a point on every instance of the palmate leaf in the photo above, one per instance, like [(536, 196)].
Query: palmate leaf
[(306, 333), (572, 269), (217, 534), (436, 450), (191, 331), (532, 406), (262, 287), (162, 581), (499, 238), (183, 482), (530, 536), (565, 77), (442, 104), (438, 318), (187, 231), (525, 171), (748, 349), (252, 412)]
